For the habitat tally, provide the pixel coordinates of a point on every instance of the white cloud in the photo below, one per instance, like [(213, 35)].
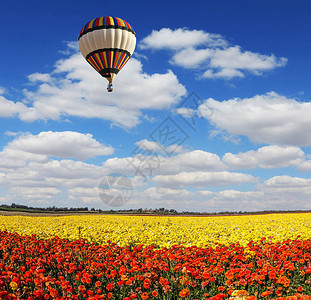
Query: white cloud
[(10, 108), (74, 88), (10, 162), (53, 173), (31, 176), (203, 179), (40, 77), (151, 165), (180, 38), (88, 196), (286, 192), (66, 144), (305, 166), (185, 112), (196, 160), (27, 161), (67, 169), (191, 58), (268, 118), (235, 58), (210, 53), (287, 182), (159, 193), (149, 146), (268, 157), (239, 195), (276, 193), (225, 73), (35, 193)]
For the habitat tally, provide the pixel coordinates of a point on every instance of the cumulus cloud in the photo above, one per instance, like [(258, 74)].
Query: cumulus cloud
[(278, 192), (180, 38), (149, 146), (210, 53), (34, 194), (152, 165), (191, 180), (39, 166), (305, 166), (185, 112), (65, 144), (146, 147), (268, 157), (88, 196), (53, 173), (10, 108), (47, 180), (196, 160), (73, 88), (198, 201), (287, 182), (203, 179), (286, 192), (42, 77), (270, 118)]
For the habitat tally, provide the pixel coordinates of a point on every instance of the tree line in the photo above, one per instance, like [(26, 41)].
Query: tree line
[(139, 211)]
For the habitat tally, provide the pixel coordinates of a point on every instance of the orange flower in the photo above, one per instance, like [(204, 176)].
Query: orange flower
[(144, 296), (184, 293), (54, 293), (124, 277), (13, 285), (266, 293), (242, 293), (229, 274), (98, 283), (154, 293)]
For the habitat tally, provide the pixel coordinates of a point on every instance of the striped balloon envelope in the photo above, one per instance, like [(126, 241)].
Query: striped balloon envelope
[(107, 43)]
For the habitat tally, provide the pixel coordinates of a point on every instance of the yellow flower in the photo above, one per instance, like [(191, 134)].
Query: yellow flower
[(234, 293), (164, 231), (239, 294), (13, 285)]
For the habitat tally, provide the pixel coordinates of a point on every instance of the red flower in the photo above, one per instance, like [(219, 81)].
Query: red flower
[(81, 289), (144, 296), (300, 289), (184, 293), (109, 287)]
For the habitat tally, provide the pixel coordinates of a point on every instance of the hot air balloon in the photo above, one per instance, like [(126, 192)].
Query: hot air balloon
[(107, 43)]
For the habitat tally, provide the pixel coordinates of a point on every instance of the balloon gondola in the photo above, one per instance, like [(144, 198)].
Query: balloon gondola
[(107, 43), (110, 87)]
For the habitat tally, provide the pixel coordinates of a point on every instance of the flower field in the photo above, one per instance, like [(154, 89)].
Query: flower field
[(149, 257)]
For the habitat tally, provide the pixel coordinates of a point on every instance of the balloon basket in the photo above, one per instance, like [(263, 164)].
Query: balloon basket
[(110, 87)]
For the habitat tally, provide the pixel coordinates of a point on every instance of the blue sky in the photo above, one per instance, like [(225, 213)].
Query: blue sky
[(211, 113)]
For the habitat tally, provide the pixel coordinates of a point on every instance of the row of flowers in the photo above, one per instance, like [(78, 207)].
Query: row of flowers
[(55, 268), (163, 231)]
